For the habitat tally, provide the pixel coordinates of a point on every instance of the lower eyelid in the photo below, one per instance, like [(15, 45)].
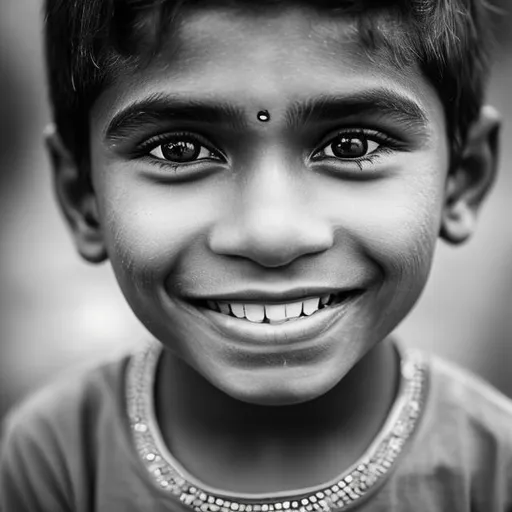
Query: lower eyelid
[(168, 166), (380, 151), (348, 165), (164, 168)]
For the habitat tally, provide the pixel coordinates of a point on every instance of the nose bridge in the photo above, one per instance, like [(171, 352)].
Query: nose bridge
[(274, 219), (271, 194)]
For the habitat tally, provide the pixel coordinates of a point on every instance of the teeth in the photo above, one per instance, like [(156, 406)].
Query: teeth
[(224, 308), (275, 312), (238, 310), (212, 305), (293, 310), (310, 306), (254, 312)]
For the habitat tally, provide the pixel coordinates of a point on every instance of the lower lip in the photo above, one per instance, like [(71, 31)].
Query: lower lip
[(287, 333)]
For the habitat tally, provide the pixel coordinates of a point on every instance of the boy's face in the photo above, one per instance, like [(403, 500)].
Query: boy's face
[(339, 194)]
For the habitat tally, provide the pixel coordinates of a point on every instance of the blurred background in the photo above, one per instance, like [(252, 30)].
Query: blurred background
[(57, 311)]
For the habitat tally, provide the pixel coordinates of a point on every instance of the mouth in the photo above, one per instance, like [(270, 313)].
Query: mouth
[(276, 314), (276, 321)]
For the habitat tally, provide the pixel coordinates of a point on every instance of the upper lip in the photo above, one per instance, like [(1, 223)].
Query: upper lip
[(260, 296)]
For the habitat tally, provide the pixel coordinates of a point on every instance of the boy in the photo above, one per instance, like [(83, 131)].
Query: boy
[(268, 181)]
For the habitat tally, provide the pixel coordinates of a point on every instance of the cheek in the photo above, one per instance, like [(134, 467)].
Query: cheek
[(149, 228), (395, 223), (400, 233)]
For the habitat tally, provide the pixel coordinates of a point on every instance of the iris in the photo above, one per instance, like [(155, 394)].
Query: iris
[(181, 150), (350, 147)]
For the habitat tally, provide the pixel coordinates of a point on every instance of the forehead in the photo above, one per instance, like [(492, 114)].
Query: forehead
[(265, 58)]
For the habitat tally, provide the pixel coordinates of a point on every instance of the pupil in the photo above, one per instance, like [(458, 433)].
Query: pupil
[(180, 151), (350, 147)]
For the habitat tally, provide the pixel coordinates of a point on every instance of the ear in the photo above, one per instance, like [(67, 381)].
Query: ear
[(76, 198), (471, 178)]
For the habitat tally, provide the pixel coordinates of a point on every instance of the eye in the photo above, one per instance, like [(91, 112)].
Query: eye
[(349, 146), (181, 149)]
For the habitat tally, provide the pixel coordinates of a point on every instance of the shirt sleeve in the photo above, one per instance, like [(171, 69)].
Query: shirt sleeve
[(32, 469)]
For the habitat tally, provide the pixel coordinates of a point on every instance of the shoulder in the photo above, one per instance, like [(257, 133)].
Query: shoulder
[(461, 454), (462, 394), (50, 436), (89, 387)]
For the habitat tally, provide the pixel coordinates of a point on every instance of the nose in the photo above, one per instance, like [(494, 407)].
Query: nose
[(274, 218)]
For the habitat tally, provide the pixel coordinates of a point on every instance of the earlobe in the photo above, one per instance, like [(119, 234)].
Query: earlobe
[(471, 178), (76, 199)]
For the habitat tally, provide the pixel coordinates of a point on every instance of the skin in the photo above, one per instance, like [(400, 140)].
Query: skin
[(268, 215)]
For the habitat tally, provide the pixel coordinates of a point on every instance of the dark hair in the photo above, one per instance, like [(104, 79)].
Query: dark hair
[(89, 41)]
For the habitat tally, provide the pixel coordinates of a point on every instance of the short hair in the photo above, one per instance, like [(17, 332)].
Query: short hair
[(88, 41)]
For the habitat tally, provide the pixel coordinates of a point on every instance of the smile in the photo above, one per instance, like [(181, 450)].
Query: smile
[(275, 313), (267, 321)]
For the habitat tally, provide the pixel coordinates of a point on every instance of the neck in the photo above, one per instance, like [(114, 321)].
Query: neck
[(260, 449)]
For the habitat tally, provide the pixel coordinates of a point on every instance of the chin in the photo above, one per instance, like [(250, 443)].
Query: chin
[(278, 387)]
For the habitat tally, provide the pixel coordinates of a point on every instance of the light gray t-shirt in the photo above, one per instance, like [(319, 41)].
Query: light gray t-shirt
[(69, 448)]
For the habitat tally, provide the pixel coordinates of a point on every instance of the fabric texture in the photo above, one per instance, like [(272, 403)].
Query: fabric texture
[(68, 448)]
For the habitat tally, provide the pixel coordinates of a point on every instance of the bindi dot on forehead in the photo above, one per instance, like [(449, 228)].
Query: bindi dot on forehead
[(263, 116)]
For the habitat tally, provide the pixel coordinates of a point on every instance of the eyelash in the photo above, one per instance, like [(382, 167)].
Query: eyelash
[(153, 143), (386, 145)]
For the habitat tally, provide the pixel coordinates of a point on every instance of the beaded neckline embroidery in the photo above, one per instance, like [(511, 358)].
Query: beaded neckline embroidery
[(350, 487)]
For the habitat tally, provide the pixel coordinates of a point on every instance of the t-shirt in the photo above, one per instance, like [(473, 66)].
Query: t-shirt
[(78, 445)]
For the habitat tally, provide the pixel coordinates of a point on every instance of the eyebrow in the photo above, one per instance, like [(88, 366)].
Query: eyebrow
[(161, 107), (379, 102)]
